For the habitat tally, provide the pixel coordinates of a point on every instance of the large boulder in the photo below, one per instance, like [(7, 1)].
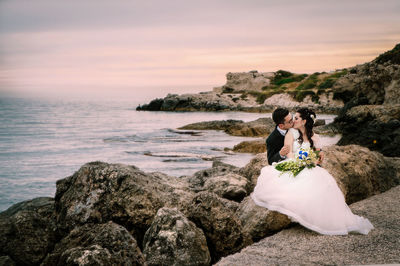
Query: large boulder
[(376, 127), (28, 231), (258, 128), (216, 217), (197, 180), (359, 172), (96, 244), (174, 240), (254, 146), (212, 125), (253, 169), (246, 81), (101, 192), (230, 186), (259, 222)]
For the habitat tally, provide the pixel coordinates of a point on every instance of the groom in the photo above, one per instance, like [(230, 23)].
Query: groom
[(276, 151)]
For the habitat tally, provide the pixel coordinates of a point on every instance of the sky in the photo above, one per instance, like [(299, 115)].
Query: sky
[(149, 48)]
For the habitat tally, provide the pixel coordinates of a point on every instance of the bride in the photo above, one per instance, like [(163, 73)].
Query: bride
[(311, 198)]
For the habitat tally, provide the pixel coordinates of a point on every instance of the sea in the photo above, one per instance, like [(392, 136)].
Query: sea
[(44, 140)]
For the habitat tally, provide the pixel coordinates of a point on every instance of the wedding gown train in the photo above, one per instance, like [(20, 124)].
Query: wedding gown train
[(312, 198)]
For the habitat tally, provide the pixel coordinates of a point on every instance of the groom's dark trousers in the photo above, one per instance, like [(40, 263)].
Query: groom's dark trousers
[(274, 143)]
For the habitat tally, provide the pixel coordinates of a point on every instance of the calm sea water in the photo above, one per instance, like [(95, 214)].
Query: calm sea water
[(42, 141)]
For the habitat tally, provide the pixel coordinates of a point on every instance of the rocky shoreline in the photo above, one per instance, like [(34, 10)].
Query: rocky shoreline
[(112, 214), (115, 214)]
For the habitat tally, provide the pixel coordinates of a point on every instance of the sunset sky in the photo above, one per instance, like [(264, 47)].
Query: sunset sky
[(149, 48)]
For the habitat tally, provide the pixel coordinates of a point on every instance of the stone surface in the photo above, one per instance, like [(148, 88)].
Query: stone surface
[(261, 127), (359, 172), (230, 186), (298, 245), (223, 230), (246, 81), (197, 180), (259, 222), (174, 240), (254, 146), (376, 127), (258, 128), (28, 231), (6, 261), (101, 192), (252, 170), (96, 244), (212, 125)]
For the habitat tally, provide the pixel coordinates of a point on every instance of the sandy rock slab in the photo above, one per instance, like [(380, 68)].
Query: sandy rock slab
[(298, 245)]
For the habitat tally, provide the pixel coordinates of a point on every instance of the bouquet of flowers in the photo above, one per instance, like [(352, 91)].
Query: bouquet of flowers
[(305, 158)]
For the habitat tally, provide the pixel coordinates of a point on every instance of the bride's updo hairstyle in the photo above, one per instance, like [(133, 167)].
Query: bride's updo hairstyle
[(309, 116)]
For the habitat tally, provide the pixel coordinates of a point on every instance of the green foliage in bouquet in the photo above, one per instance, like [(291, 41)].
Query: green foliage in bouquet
[(305, 158)]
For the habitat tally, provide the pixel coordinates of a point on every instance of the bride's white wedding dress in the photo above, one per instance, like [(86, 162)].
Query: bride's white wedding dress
[(312, 198)]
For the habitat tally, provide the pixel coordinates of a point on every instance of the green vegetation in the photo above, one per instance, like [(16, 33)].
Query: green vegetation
[(327, 83), (339, 74), (309, 83), (284, 77), (392, 56)]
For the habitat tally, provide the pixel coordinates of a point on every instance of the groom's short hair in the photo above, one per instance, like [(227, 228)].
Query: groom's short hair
[(279, 115)]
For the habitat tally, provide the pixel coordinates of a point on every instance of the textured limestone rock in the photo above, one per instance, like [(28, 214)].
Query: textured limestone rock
[(101, 192), (255, 146), (96, 244), (252, 170), (376, 127), (246, 81), (259, 222), (359, 172), (28, 231), (229, 186), (174, 240), (216, 217), (196, 182)]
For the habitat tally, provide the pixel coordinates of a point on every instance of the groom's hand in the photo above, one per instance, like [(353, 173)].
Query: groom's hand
[(284, 151)]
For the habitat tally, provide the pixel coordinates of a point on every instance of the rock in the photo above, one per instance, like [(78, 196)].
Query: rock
[(216, 217), (196, 182), (96, 244), (259, 128), (28, 231), (230, 186), (259, 222), (298, 245), (319, 122), (359, 172), (378, 81), (330, 129), (174, 240), (326, 104), (376, 127), (252, 170), (212, 125), (251, 81), (6, 261), (255, 146), (101, 192)]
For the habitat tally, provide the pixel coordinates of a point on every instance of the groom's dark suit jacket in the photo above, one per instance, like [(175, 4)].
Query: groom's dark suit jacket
[(274, 143)]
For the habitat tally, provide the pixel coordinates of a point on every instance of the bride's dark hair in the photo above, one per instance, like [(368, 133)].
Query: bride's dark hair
[(309, 116)]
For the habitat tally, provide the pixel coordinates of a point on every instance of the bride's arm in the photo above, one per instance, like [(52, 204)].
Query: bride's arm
[(317, 145), (289, 143)]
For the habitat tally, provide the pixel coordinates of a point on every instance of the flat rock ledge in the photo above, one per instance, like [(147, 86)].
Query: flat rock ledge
[(298, 245)]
